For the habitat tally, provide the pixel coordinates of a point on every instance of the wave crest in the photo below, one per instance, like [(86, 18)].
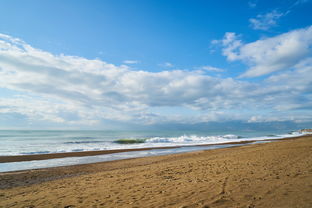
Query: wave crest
[(192, 138)]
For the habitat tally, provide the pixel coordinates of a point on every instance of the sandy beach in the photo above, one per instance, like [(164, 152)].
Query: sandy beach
[(275, 174)]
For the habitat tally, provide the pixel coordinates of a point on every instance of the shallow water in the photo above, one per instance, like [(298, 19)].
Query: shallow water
[(67, 161)]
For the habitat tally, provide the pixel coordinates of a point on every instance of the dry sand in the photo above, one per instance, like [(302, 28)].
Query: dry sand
[(277, 174)]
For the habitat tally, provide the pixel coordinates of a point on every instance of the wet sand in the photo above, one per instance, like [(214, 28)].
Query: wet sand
[(276, 174)]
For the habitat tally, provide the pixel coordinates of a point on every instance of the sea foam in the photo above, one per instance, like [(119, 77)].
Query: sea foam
[(59, 142)]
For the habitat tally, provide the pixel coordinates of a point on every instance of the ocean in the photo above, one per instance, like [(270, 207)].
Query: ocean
[(28, 142)]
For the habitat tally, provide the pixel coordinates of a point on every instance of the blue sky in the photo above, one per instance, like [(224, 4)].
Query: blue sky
[(100, 64)]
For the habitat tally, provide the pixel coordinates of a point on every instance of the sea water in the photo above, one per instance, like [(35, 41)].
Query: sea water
[(44, 142), (28, 142)]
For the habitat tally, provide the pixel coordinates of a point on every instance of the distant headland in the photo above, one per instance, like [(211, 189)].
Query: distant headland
[(306, 131)]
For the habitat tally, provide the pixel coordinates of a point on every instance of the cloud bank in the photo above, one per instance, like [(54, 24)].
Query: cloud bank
[(268, 55), (78, 91)]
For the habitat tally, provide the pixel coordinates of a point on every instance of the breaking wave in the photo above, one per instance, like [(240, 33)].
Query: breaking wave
[(78, 144)]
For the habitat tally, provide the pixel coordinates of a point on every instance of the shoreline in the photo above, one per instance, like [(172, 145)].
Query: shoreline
[(274, 174), (23, 158)]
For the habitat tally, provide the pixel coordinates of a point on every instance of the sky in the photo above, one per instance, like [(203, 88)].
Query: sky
[(106, 64)]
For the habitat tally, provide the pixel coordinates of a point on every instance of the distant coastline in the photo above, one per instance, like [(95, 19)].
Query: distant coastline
[(306, 131)]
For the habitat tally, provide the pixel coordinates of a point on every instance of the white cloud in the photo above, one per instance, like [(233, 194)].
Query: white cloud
[(166, 65), (280, 118), (130, 61), (74, 90), (231, 43), (210, 68), (269, 55), (265, 21)]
